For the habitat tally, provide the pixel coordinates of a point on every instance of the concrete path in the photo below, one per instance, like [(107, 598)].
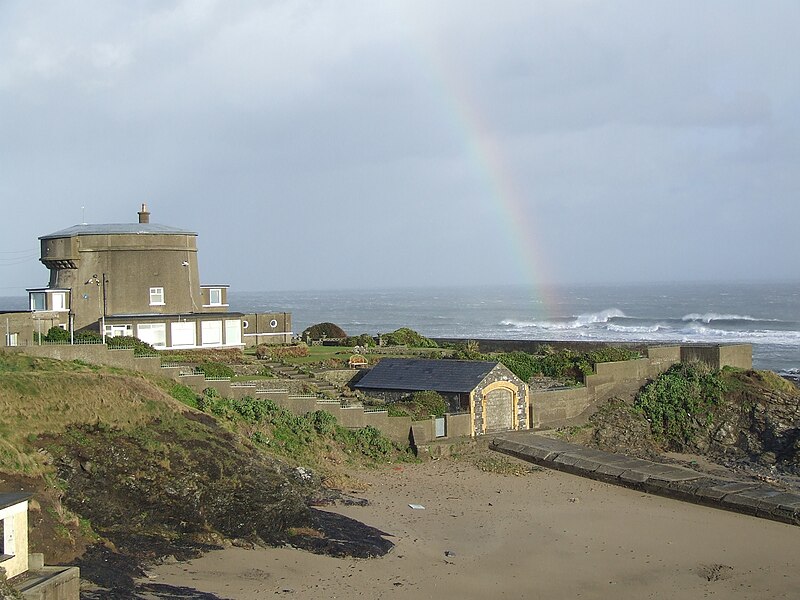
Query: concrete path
[(752, 498)]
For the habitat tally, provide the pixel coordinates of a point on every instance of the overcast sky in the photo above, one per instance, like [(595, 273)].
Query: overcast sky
[(362, 144)]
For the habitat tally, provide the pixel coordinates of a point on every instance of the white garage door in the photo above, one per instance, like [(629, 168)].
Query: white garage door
[(211, 332), (183, 334), (154, 334), (233, 332)]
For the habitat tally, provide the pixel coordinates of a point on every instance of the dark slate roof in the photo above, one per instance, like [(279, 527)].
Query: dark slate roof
[(114, 228), (419, 375), (11, 498)]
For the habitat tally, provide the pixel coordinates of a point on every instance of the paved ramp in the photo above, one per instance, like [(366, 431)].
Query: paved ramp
[(748, 497)]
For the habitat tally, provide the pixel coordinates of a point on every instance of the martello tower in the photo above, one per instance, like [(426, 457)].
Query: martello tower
[(123, 269)]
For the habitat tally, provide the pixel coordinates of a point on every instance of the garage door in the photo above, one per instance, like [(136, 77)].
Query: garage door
[(183, 333), (499, 410)]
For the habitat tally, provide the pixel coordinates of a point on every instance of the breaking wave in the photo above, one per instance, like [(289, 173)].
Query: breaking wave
[(614, 325)]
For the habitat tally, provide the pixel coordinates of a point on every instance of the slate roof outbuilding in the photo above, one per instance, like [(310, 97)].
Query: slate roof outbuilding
[(414, 374)]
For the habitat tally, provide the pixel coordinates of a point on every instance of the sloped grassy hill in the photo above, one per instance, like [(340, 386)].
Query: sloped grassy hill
[(124, 464)]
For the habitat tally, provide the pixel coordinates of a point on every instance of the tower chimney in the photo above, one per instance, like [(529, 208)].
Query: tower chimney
[(144, 214)]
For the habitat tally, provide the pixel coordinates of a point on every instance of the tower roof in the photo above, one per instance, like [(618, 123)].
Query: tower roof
[(118, 228)]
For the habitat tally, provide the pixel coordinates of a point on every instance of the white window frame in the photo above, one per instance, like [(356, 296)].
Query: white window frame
[(211, 292), (125, 330), (157, 296), (58, 301), (40, 296)]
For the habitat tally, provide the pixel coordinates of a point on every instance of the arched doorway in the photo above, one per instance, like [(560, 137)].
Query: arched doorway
[(499, 408)]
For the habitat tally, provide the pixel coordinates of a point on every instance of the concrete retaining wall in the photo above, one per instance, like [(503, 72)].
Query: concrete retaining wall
[(554, 408), (96, 354)]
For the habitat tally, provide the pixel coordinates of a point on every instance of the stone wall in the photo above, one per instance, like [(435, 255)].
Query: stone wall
[(501, 373)]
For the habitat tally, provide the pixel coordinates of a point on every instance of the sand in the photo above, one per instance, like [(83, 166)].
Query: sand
[(543, 535)]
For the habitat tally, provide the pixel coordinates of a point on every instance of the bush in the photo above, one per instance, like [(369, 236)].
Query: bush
[(680, 402), (266, 351), (407, 337), (56, 334), (88, 336), (564, 364), (215, 369), (364, 340), (323, 331), (139, 347), (429, 403)]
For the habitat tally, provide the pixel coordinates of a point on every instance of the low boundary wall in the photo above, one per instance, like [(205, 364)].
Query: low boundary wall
[(556, 407)]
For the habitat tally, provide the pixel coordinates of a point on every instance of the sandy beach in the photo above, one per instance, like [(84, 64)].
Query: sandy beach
[(542, 535)]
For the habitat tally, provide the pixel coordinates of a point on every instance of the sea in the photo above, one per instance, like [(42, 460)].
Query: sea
[(766, 315)]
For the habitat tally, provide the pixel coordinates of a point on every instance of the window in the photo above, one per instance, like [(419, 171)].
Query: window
[(58, 301), (119, 330), (154, 334), (215, 297), (38, 301), (156, 296)]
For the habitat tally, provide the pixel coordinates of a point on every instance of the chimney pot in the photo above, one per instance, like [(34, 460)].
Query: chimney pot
[(144, 214)]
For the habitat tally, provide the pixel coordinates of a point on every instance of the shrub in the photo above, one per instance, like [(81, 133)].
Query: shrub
[(56, 334), (429, 403), (407, 337), (266, 351), (323, 330), (215, 369), (680, 402), (364, 340), (139, 347), (87, 336)]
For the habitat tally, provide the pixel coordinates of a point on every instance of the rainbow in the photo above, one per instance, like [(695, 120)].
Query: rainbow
[(488, 160)]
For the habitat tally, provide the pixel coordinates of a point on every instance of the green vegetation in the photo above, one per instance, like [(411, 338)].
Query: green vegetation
[(566, 365), (364, 340), (54, 335), (407, 337), (323, 331), (420, 406), (278, 353), (300, 438), (681, 402), (215, 369), (139, 347)]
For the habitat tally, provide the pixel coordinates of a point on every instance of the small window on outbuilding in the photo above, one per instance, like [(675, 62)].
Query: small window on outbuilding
[(215, 296)]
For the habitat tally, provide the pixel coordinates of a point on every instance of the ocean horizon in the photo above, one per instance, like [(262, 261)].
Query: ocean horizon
[(766, 315)]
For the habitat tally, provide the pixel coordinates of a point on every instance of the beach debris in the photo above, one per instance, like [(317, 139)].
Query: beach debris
[(573, 499), (449, 553), (715, 572), (417, 506)]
